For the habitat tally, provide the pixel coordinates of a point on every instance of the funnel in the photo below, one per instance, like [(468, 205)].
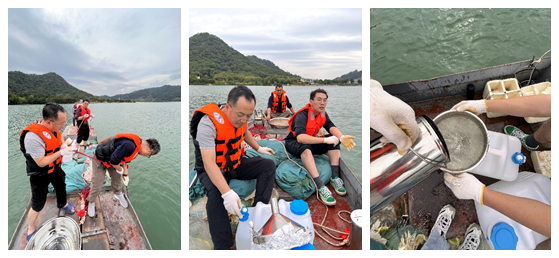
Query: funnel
[(275, 222)]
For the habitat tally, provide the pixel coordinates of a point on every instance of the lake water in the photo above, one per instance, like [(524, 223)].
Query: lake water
[(155, 183), (414, 44), (344, 109)]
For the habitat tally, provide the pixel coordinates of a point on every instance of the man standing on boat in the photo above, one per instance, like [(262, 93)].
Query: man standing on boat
[(74, 111), (218, 132), (278, 104), (43, 146), (83, 117), (302, 141), (113, 154)]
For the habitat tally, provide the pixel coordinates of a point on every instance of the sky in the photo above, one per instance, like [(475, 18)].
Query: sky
[(313, 43), (99, 51)]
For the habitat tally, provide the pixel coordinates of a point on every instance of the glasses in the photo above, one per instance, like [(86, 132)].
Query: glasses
[(61, 123), (321, 100)]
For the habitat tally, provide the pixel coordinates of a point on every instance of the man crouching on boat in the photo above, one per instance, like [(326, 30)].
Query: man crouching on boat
[(302, 141), (43, 146), (113, 154), (218, 132)]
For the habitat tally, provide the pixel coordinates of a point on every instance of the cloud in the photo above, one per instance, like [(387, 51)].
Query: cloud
[(313, 43), (100, 51)]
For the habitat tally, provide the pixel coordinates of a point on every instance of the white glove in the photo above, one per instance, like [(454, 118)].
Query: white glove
[(266, 150), (67, 151), (121, 171), (125, 180), (92, 115), (331, 140), (85, 116), (389, 114), (465, 186), (232, 203), (477, 107)]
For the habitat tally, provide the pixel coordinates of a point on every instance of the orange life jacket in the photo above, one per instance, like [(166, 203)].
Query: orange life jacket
[(313, 123), (52, 140), (106, 148), (84, 111), (228, 141), (278, 105)]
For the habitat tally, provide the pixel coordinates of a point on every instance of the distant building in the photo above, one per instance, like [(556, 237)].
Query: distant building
[(310, 81)]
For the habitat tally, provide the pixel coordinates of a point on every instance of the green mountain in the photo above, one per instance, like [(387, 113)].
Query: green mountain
[(160, 94), (38, 89), (212, 61), (356, 75), (50, 87)]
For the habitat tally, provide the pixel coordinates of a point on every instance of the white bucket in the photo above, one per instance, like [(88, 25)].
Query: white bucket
[(499, 162), (504, 233), (260, 214)]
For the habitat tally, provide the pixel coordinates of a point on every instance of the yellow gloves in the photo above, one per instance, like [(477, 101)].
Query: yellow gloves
[(347, 142)]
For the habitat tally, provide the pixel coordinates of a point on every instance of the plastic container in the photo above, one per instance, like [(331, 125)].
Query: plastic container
[(504, 233), (542, 162), (297, 211), (501, 89), (502, 159)]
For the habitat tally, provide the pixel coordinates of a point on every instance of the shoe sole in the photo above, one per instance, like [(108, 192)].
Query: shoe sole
[(121, 204)]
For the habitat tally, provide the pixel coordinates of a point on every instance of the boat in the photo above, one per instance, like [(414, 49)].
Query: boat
[(113, 227), (321, 214), (420, 205)]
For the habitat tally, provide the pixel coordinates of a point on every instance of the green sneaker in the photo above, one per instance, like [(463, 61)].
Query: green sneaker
[(326, 196), (338, 185), (515, 132)]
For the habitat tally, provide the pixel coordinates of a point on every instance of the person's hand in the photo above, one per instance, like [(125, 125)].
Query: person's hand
[(268, 118), (266, 150), (331, 140), (85, 116), (465, 186), (125, 180), (477, 107), (121, 170), (232, 203), (392, 118), (347, 142), (67, 151)]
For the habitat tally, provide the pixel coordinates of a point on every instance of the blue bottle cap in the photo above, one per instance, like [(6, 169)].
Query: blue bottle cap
[(503, 237), (308, 246), (518, 158), (299, 207), (244, 211)]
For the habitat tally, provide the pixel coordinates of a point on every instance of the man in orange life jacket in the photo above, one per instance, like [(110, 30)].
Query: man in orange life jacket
[(43, 147), (302, 141), (278, 104), (113, 154), (218, 132), (83, 117)]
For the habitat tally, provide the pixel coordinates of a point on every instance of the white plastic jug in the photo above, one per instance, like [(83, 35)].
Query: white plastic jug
[(297, 211), (502, 159), (502, 232)]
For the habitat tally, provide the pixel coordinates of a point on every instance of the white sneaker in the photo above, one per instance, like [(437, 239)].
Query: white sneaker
[(121, 199), (444, 219), (91, 209), (472, 239)]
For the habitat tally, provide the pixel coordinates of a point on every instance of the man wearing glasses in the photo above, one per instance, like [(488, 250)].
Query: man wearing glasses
[(218, 132), (303, 141), (43, 146), (113, 154)]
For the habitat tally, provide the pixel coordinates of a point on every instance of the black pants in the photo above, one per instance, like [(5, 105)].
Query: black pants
[(264, 170), (83, 133), (40, 188)]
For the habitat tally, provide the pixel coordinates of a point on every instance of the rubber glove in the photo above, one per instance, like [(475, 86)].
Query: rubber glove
[(125, 180), (390, 115), (232, 203), (477, 107), (331, 140), (347, 142), (465, 186), (67, 151), (266, 150)]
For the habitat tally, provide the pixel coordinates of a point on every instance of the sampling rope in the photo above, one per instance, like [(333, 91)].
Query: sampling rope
[(321, 225)]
